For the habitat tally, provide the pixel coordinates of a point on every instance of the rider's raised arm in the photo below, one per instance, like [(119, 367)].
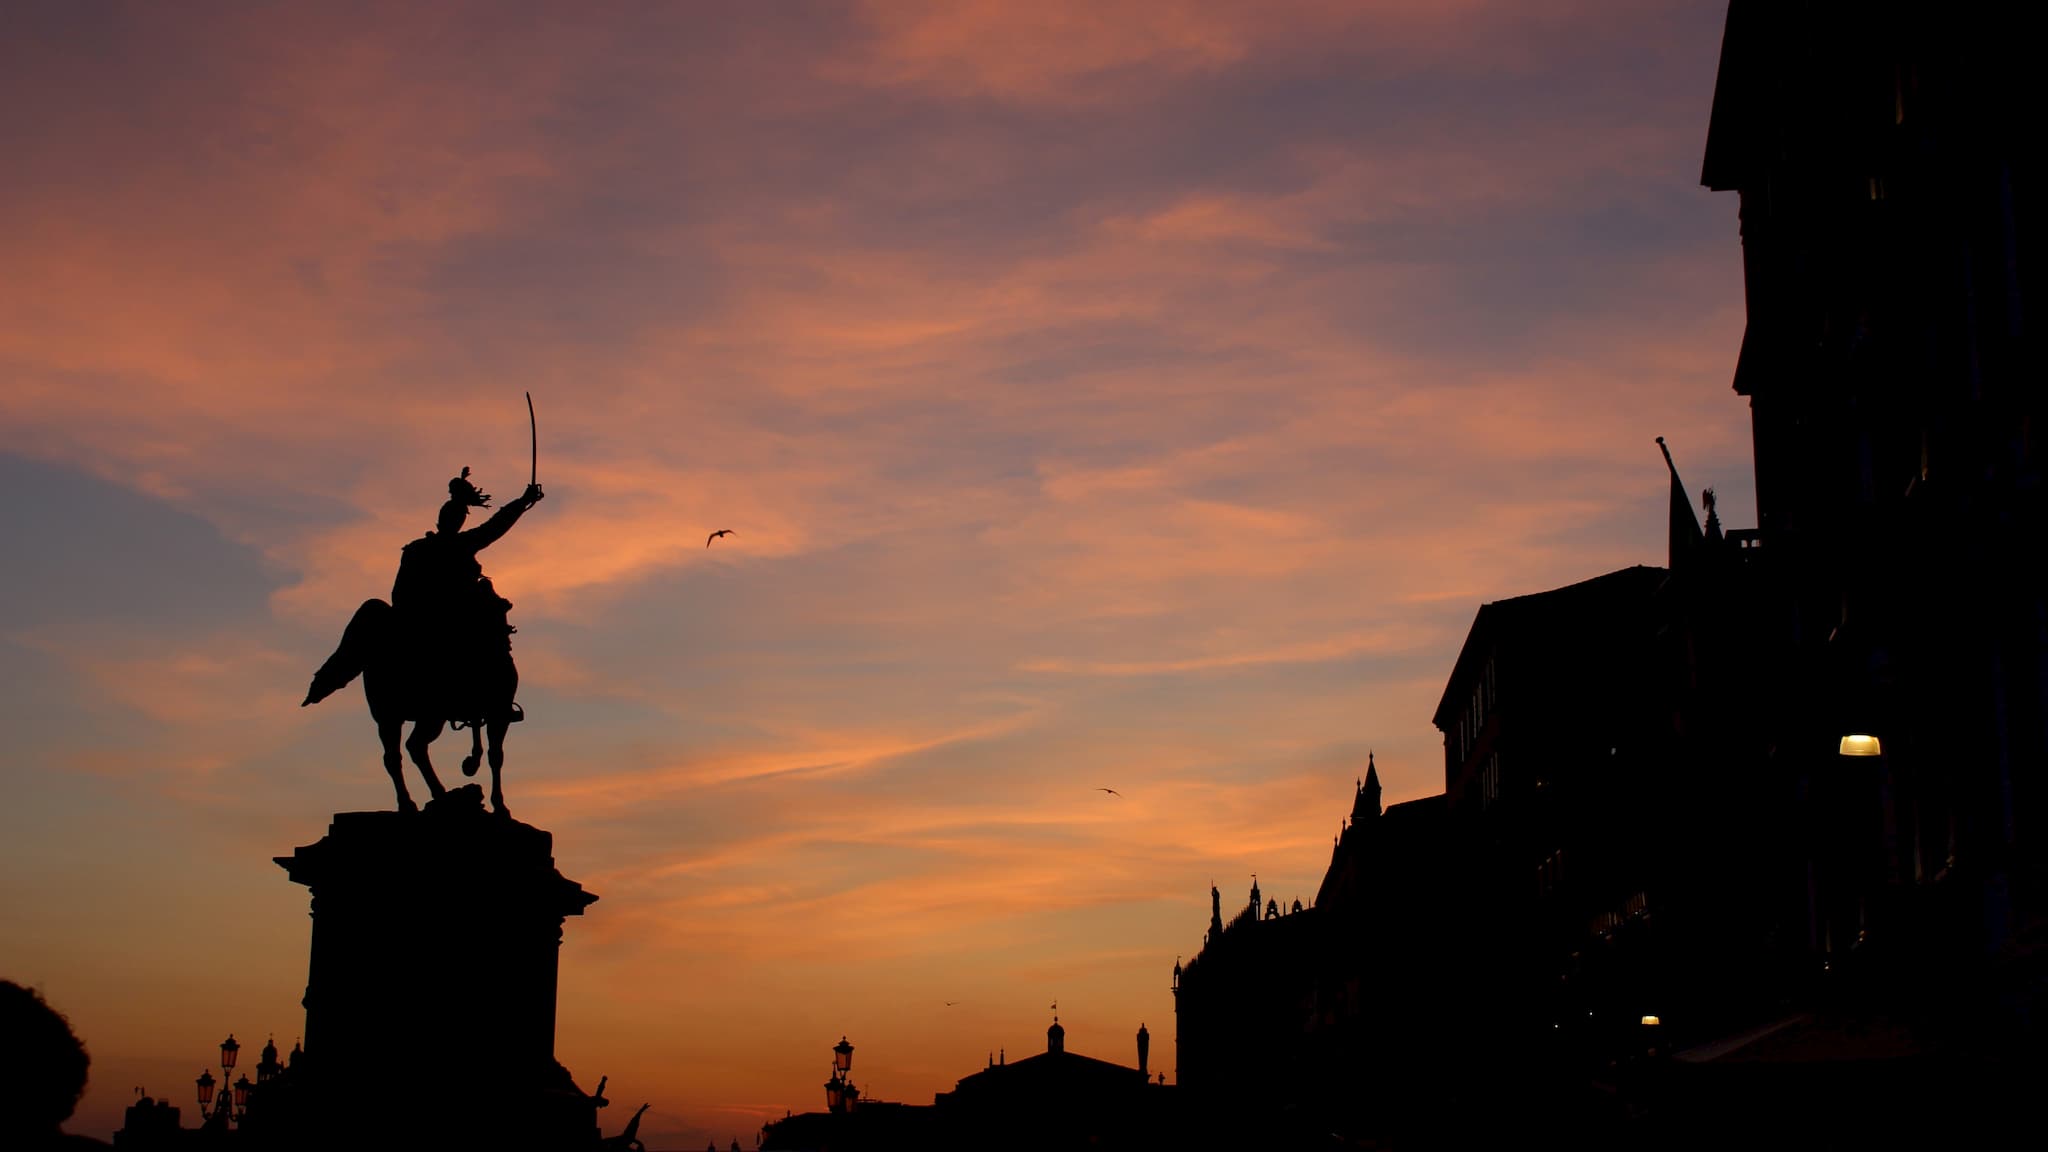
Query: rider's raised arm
[(486, 534)]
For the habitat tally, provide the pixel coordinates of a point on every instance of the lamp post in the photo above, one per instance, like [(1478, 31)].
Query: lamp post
[(840, 1094), (230, 1103), (1653, 1032)]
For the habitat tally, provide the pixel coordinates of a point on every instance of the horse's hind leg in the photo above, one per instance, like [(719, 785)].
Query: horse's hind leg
[(423, 734), (497, 725), (388, 732)]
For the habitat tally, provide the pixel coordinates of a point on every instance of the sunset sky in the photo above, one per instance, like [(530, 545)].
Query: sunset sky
[(1132, 395)]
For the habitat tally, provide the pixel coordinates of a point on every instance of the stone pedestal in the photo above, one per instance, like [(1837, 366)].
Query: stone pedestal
[(430, 1002)]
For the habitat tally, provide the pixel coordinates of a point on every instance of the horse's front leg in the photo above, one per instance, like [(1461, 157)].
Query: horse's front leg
[(475, 759), (423, 734), (498, 725), (388, 732)]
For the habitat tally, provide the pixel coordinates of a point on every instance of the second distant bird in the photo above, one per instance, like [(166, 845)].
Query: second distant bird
[(716, 535)]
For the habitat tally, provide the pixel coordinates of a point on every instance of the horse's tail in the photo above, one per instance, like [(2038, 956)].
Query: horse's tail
[(366, 632)]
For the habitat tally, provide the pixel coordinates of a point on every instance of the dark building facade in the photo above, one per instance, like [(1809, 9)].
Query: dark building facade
[(1495, 949), (1749, 846), (1889, 180), (1295, 1022)]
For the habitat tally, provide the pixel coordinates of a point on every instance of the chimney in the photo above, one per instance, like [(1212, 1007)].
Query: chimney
[(1144, 1053)]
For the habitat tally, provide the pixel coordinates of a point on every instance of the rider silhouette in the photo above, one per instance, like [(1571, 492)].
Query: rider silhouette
[(448, 614)]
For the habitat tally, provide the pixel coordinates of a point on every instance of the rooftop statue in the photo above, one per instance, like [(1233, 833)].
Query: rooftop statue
[(629, 1139), (440, 651)]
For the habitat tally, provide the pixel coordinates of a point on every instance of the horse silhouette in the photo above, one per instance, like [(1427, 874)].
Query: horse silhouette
[(407, 677)]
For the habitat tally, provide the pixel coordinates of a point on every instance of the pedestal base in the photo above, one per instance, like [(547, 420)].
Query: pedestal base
[(430, 1000)]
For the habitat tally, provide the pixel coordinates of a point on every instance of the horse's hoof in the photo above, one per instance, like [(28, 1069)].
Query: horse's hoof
[(406, 805), (469, 765)]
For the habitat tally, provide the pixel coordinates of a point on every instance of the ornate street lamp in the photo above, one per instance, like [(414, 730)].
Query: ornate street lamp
[(840, 1094), (230, 1103)]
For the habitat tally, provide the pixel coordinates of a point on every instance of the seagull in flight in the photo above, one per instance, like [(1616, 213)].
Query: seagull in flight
[(716, 535), (1111, 791), (950, 1003)]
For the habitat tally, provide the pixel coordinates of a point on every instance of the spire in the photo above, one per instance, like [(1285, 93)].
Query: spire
[(1686, 538), (1366, 804), (1713, 518)]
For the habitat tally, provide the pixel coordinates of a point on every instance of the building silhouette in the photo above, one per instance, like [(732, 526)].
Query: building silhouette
[(148, 1124), (1886, 176), (1282, 1020), (1051, 1100), (1750, 846)]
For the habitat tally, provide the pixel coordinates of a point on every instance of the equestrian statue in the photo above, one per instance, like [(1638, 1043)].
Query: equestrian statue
[(440, 651)]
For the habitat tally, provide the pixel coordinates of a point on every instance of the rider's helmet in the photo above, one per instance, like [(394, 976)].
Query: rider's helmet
[(462, 496)]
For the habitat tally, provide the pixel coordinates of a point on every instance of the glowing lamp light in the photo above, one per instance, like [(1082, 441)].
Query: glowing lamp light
[(1651, 1021), (1858, 744)]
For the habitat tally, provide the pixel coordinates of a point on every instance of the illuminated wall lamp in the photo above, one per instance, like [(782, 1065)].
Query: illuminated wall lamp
[(1861, 745)]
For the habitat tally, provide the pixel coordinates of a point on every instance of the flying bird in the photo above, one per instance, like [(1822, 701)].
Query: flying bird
[(950, 1003), (1111, 791), (716, 535)]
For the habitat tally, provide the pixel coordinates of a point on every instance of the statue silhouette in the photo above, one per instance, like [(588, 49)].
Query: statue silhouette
[(629, 1139), (440, 650)]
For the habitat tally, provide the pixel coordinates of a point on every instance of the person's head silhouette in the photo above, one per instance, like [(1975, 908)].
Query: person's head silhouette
[(44, 1066), (462, 496)]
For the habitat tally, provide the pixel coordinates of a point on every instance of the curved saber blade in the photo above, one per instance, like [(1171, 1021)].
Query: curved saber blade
[(533, 474)]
